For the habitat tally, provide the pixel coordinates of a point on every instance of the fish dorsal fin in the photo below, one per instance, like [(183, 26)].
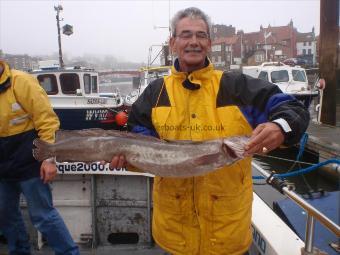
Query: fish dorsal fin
[(98, 132)]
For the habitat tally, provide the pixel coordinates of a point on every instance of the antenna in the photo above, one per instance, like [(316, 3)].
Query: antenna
[(58, 9), (166, 52)]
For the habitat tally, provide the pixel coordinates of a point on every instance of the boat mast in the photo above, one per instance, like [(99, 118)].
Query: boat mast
[(58, 9)]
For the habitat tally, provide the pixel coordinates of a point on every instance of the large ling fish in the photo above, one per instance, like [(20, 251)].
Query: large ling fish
[(148, 154)]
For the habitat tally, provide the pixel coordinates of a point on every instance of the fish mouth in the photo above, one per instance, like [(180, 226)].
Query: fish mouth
[(229, 151)]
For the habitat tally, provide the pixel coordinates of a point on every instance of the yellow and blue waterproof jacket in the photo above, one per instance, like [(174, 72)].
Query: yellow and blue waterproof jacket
[(209, 214), (25, 114)]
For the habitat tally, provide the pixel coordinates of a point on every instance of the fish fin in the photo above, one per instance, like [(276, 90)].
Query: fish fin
[(229, 151), (206, 159), (67, 134), (97, 132), (42, 151)]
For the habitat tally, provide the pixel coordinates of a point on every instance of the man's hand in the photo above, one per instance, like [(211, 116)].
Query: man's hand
[(48, 171), (265, 137), (118, 161)]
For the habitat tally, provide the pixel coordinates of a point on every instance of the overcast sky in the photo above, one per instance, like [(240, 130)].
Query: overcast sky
[(126, 29)]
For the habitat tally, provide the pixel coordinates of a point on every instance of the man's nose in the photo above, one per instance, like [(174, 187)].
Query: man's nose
[(194, 39)]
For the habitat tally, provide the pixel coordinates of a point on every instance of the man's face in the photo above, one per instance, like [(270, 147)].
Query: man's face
[(191, 44)]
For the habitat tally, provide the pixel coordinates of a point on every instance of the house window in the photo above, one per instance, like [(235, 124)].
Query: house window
[(49, 83), (310, 43), (259, 58), (304, 43), (215, 48), (304, 52), (309, 51)]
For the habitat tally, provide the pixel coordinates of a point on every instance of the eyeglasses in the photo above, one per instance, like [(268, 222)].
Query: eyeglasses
[(187, 34)]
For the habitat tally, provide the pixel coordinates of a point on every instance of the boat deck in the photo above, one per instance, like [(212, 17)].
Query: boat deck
[(324, 139)]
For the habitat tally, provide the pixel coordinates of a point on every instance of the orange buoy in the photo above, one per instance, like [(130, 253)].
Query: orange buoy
[(121, 118)]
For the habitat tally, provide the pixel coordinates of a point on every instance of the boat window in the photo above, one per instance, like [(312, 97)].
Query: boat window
[(94, 84), (279, 76), (69, 83), (263, 75), (49, 83), (299, 75), (87, 83)]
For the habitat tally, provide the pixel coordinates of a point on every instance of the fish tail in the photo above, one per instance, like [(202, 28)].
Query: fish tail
[(42, 150)]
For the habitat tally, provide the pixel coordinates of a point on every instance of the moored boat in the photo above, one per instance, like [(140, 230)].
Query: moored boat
[(290, 79), (148, 74), (75, 97)]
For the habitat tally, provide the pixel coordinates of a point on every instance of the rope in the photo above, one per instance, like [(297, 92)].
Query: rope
[(303, 142), (301, 171), (285, 159)]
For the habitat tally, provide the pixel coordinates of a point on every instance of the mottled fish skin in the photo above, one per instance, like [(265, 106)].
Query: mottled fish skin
[(148, 154)]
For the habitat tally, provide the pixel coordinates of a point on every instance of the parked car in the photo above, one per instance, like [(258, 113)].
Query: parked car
[(295, 62)]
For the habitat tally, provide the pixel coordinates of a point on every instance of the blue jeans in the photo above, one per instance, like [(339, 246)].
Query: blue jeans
[(43, 215)]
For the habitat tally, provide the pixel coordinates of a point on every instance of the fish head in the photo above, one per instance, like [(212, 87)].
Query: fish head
[(233, 147)]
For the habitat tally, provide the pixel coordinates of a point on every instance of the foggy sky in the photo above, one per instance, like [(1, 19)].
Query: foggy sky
[(126, 29)]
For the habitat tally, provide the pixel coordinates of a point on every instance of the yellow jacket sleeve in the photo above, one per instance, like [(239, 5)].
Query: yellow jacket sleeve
[(34, 100)]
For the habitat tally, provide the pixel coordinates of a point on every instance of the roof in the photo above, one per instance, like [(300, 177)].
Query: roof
[(227, 40), (305, 37)]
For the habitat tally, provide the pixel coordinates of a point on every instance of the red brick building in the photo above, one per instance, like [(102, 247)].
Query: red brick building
[(267, 44)]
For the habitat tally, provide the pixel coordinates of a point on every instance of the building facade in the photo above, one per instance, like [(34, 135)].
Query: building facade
[(268, 44), (20, 62), (306, 46)]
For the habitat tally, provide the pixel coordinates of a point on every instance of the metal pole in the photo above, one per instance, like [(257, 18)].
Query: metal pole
[(148, 208), (265, 44), (313, 211), (94, 210), (61, 62), (241, 48), (323, 219), (309, 237)]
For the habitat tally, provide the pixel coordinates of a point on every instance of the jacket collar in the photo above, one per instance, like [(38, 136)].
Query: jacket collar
[(195, 79)]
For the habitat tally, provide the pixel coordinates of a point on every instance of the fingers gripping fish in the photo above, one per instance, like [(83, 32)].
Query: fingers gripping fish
[(148, 154)]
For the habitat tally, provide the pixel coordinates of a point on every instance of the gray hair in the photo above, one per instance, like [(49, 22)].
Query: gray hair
[(193, 13)]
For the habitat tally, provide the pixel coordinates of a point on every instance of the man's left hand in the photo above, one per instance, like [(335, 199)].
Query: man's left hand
[(265, 137), (48, 171)]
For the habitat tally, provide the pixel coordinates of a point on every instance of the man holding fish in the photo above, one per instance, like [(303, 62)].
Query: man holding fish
[(215, 121), (210, 214)]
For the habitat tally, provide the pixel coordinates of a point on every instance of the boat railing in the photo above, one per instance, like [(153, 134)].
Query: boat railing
[(312, 214)]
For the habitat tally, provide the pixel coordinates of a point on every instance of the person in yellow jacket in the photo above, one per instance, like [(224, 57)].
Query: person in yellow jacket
[(25, 114), (209, 214)]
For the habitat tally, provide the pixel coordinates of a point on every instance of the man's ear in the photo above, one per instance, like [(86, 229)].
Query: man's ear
[(172, 45), (209, 46)]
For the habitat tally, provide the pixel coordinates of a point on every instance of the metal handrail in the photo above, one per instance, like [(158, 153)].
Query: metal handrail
[(312, 213)]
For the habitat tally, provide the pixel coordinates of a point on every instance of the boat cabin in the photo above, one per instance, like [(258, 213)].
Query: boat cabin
[(70, 81), (74, 94)]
